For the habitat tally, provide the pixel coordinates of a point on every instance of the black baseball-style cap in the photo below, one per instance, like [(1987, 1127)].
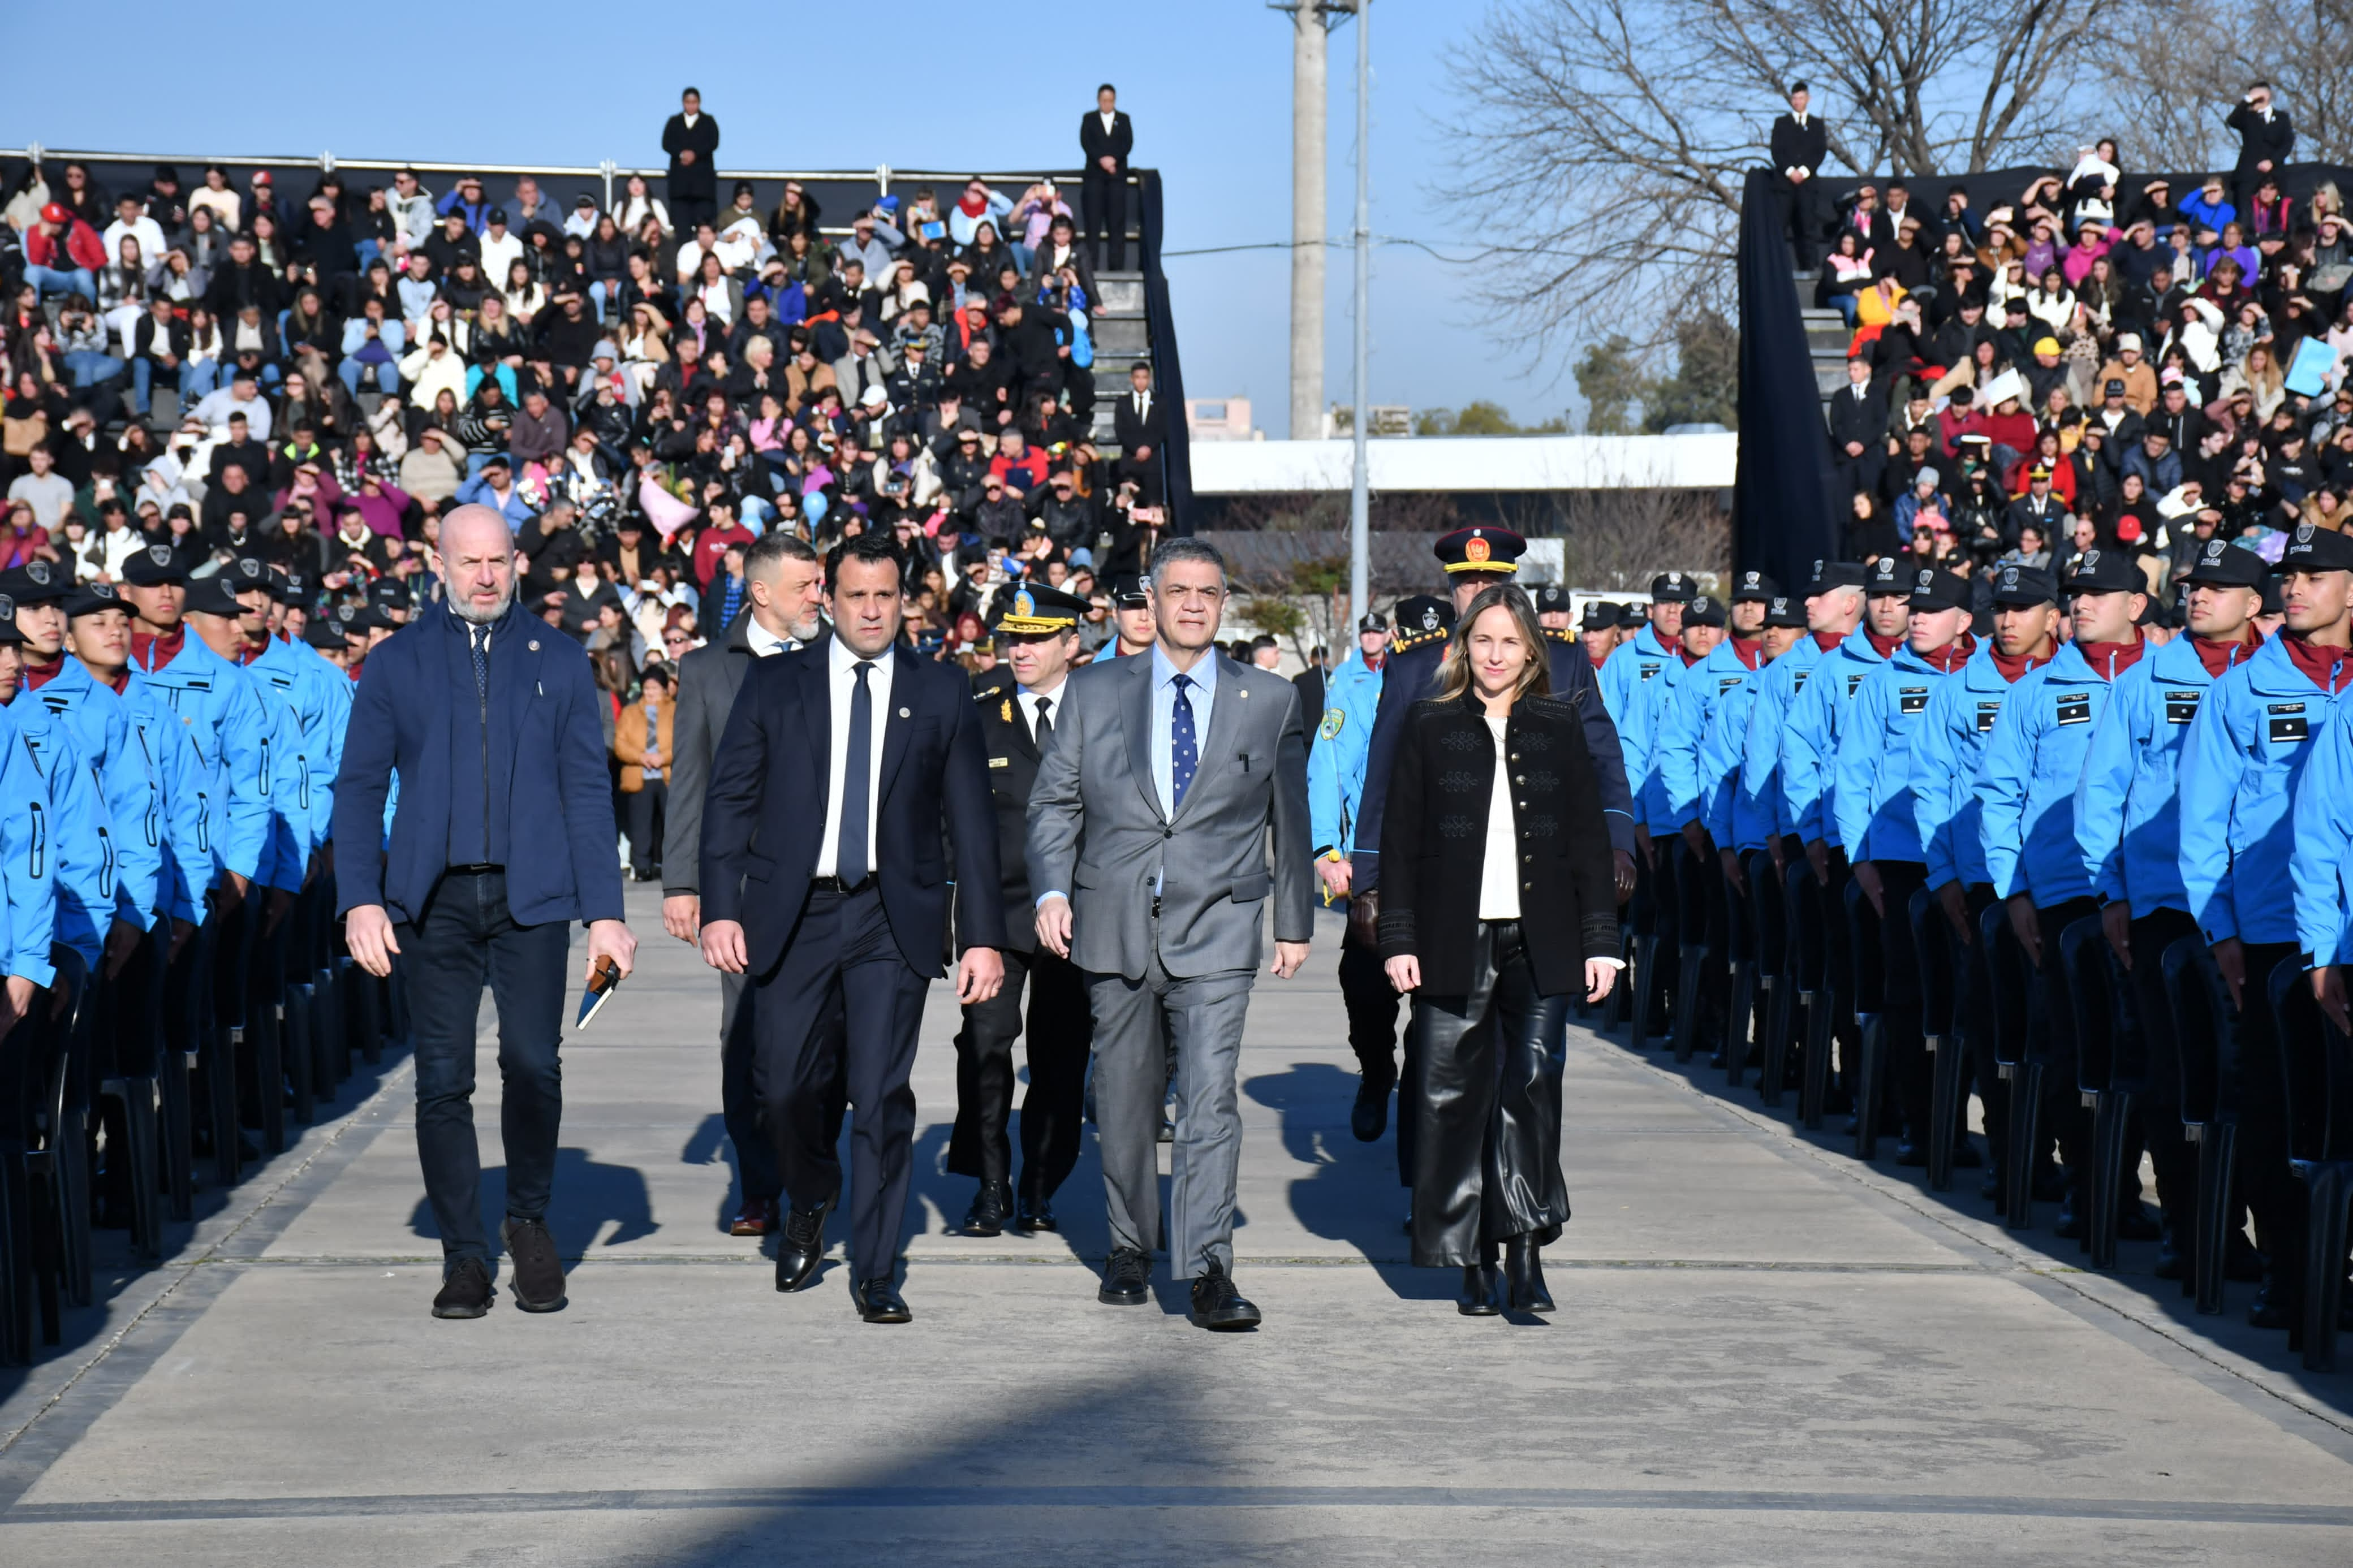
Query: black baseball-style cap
[(2312, 549), (154, 566), (2021, 585), (38, 582), (1938, 590), (1829, 574), (1887, 577), (2225, 565), (1673, 588), (213, 595), (1601, 615), (93, 597), (2105, 571), (1127, 592), (1376, 622), (9, 634), (1702, 611), (1755, 588), (1781, 611), (1551, 599)]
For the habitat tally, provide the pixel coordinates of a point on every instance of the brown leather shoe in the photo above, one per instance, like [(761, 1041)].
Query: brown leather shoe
[(757, 1217)]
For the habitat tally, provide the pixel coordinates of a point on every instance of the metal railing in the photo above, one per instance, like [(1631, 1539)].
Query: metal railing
[(826, 184)]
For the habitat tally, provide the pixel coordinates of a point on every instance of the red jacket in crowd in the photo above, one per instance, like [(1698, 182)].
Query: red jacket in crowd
[(81, 245)]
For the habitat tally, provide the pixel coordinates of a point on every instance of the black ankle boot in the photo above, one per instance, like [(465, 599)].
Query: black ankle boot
[(1523, 1269)]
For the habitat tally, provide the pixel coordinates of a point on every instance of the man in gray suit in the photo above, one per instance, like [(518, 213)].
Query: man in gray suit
[(785, 583), (1171, 804)]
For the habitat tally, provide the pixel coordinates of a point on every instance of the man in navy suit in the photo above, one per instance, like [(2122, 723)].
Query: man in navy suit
[(504, 837), (848, 773)]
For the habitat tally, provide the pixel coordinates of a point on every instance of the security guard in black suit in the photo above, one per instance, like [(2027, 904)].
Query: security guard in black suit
[(1037, 633)]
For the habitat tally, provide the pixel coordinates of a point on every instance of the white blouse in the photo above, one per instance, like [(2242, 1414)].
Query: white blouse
[(1499, 878)]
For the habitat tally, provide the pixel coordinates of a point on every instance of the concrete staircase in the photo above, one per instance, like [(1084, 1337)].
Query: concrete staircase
[(1826, 337), (1122, 341)]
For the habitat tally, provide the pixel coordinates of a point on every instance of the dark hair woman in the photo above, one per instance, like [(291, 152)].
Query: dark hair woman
[(1498, 904)]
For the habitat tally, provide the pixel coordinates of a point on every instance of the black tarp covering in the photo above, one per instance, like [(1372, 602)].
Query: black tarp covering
[(1782, 519), (1168, 373)]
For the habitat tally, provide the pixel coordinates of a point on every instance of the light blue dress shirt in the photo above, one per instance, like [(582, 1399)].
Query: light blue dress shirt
[(1204, 693)]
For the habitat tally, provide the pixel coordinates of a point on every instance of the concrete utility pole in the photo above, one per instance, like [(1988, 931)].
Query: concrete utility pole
[(1309, 22), (1360, 504)]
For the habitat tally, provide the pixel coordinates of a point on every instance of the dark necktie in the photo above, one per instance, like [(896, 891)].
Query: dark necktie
[(1184, 748), (850, 849), (1045, 720), (478, 639)]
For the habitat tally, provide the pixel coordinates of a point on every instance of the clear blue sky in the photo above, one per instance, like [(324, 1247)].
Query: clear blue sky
[(1209, 82)]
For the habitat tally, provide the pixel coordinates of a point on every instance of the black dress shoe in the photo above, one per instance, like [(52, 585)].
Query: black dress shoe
[(879, 1302), (1218, 1305), (1524, 1272), (1036, 1215), (1965, 1154), (538, 1271), (2133, 1223), (1480, 1294), (1127, 1276), (2172, 1263), (1911, 1152), (2270, 1308), (1369, 1117), (801, 1247), (989, 1207), (467, 1292)]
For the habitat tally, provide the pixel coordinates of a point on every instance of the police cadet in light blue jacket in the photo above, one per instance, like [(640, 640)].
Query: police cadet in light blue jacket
[(1696, 780), (1640, 657), (297, 709), (93, 720), (1336, 783), (2026, 796), (1809, 751), (79, 835), (2246, 753), (1760, 810), (1871, 795), (1677, 911), (1947, 754), (2129, 822), (28, 859)]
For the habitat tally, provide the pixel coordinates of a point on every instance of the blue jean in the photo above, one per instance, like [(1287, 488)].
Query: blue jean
[(196, 378), (596, 293), (368, 250), (467, 939), (72, 281), (91, 367), (387, 376), (1845, 306)]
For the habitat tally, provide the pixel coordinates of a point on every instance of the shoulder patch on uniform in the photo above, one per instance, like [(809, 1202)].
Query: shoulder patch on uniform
[(1334, 720)]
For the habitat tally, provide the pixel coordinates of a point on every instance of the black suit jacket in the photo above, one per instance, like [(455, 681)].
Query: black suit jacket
[(1434, 841), (695, 179), (763, 815), (2260, 140), (1132, 432), (1118, 144), (1854, 419), (1411, 674), (1012, 772), (1799, 147)]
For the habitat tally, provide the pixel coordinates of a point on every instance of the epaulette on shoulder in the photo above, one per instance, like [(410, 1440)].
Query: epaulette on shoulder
[(1406, 642), (1549, 707), (1560, 634)]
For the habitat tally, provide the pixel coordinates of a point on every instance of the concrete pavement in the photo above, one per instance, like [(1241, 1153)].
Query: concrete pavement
[(1763, 1353)]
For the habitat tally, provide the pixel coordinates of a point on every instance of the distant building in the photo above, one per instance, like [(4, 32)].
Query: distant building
[(1220, 419)]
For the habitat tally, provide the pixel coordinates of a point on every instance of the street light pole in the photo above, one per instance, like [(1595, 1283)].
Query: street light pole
[(1360, 542)]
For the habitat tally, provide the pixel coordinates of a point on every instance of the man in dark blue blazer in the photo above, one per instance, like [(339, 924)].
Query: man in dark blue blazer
[(504, 837), (848, 774)]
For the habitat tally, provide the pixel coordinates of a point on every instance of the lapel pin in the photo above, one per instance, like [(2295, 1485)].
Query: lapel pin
[(904, 714), (534, 647)]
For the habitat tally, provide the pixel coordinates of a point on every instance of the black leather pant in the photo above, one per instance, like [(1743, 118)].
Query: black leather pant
[(1487, 1070)]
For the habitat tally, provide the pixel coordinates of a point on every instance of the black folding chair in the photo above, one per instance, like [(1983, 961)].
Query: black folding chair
[(2019, 1057), (2316, 1076), (1940, 1012), (1761, 950), (2111, 1073), (2209, 1057), (1865, 934)]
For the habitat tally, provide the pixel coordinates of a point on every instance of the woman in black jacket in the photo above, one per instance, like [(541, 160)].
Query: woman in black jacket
[(1498, 902)]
